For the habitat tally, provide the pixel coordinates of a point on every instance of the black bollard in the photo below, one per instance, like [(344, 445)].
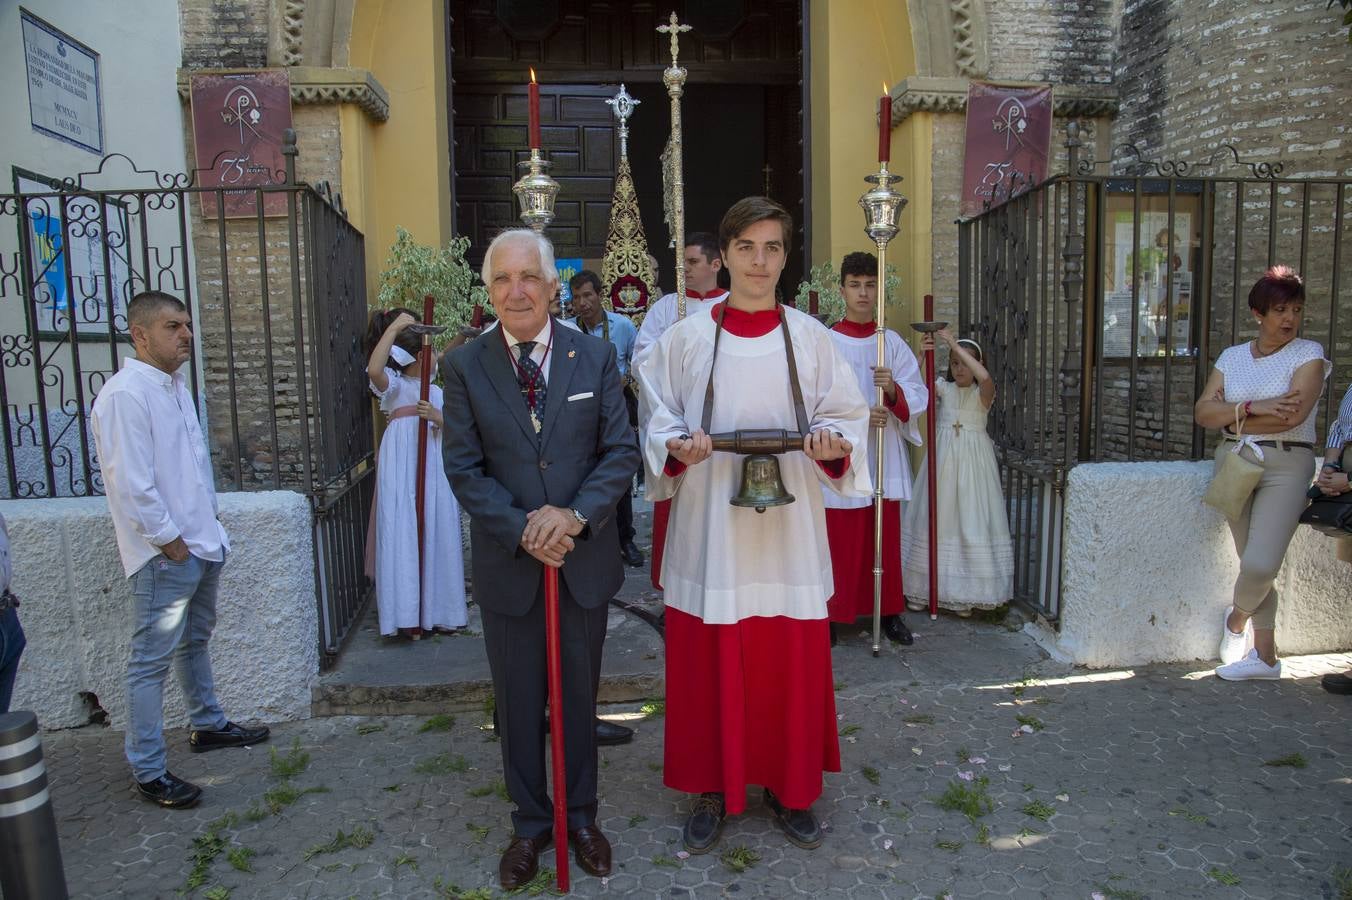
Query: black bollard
[(30, 856)]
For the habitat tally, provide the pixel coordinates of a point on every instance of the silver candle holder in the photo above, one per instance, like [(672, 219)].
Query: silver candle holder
[(536, 191)]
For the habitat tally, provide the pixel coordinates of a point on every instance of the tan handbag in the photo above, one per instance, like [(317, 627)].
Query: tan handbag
[(1235, 478)]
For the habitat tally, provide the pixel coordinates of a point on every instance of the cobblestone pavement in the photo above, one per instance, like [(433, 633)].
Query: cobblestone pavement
[(1055, 782)]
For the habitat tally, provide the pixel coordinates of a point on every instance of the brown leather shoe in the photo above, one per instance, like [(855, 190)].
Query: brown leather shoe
[(521, 860), (591, 850)]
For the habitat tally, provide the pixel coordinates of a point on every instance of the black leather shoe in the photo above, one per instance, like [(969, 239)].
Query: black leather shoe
[(608, 734), (896, 631), (1337, 682), (231, 735), (799, 825), (705, 823), (632, 556), (170, 791)]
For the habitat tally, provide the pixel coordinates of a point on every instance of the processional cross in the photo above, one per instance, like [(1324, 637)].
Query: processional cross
[(675, 29)]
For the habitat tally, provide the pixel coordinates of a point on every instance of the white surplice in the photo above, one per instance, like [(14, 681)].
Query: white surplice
[(861, 355), (662, 315), (724, 564)]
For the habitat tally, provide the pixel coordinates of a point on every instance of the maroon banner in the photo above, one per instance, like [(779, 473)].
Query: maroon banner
[(237, 126), (1009, 137)]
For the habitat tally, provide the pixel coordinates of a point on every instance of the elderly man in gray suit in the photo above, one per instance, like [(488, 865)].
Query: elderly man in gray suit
[(538, 450)]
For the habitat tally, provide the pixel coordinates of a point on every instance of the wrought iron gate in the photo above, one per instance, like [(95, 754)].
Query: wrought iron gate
[(1102, 301), (278, 303)]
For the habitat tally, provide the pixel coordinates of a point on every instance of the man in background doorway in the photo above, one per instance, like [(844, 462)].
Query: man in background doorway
[(591, 318)]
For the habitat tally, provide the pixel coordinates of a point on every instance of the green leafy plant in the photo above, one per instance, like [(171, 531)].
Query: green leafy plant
[(825, 280), (442, 764), (972, 800), (414, 270), (1347, 15), (1032, 722), (1342, 880), (1038, 810), (240, 858), (359, 837), (456, 892), (1189, 815), (291, 763), (218, 892), (439, 722), (740, 858), (665, 861), (653, 708), (1290, 760), (950, 846), (370, 728), (849, 729), (918, 719), (479, 831), (870, 774), (1224, 876)]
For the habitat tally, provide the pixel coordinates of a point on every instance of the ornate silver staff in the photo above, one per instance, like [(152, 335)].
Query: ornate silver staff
[(674, 78), (882, 213)]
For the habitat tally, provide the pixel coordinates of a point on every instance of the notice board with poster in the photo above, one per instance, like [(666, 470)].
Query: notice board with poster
[(237, 125), (1008, 143)]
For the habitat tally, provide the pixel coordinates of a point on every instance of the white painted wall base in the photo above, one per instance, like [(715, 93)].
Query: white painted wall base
[(76, 603), (1149, 569)]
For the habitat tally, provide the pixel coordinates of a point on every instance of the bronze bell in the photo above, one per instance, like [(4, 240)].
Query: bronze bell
[(761, 485)]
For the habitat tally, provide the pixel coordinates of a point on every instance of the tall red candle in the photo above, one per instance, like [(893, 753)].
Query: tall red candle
[(477, 319), (812, 303), (884, 126), (929, 307), (533, 96)]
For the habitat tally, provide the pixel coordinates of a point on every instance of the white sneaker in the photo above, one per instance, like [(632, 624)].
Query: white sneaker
[(1234, 646), (1250, 668)]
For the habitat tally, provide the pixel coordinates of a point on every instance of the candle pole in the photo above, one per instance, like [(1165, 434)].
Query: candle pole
[(882, 207)]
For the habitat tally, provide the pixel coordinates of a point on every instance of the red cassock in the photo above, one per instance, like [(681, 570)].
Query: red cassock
[(661, 513), (752, 701), (850, 533)]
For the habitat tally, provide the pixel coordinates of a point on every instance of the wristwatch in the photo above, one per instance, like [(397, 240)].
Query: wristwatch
[(581, 519)]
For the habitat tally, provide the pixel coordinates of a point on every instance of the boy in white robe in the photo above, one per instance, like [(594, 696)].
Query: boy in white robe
[(850, 520), (749, 689)]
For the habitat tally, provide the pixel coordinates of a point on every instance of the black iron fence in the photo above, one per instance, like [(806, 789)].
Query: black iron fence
[(276, 290), (1102, 300)]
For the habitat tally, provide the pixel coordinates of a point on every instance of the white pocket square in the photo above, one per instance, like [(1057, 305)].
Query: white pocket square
[(585, 396)]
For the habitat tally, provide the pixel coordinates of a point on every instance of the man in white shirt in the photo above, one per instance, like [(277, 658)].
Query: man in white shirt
[(162, 497)]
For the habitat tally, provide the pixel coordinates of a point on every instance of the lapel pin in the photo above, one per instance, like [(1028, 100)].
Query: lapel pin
[(572, 353)]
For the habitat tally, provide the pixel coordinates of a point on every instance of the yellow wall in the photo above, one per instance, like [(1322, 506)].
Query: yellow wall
[(856, 45), (396, 173)]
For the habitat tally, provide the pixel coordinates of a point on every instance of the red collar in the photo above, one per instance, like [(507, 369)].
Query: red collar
[(855, 329), (717, 293), (747, 324)]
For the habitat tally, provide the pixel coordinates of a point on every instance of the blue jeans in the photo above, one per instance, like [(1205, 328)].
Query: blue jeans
[(11, 648), (173, 614)]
